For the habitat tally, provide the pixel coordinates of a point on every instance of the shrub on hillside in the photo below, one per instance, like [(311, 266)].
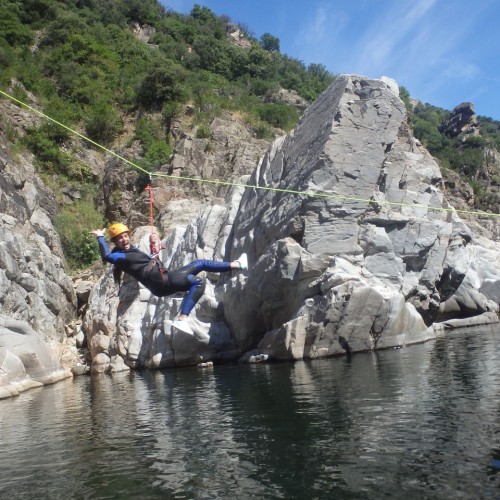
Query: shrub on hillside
[(102, 122), (278, 115), (164, 83), (73, 225), (12, 29)]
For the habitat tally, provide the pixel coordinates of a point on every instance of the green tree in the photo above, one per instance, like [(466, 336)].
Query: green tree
[(37, 12), (206, 22), (141, 11), (178, 29), (163, 84), (213, 55), (405, 97), (169, 112), (260, 63), (154, 143), (428, 134), (12, 29), (203, 14), (62, 29), (270, 43)]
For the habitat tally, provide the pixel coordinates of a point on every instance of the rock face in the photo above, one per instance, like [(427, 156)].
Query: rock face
[(26, 360), (351, 241), (229, 152), (462, 120), (362, 261), (236, 36), (37, 298)]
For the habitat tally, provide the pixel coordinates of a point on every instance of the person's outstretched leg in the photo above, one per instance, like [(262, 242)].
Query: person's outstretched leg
[(185, 279), (193, 295), (216, 267)]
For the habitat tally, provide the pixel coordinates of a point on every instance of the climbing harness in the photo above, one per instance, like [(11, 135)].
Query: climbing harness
[(219, 182), (156, 262)]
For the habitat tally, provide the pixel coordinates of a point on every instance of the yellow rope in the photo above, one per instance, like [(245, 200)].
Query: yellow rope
[(248, 186)]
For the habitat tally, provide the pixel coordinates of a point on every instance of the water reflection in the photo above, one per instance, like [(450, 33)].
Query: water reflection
[(421, 422)]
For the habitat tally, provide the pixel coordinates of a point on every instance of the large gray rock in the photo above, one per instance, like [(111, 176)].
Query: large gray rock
[(37, 298), (461, 120), (26, 360), (371, 199), (352, 245)]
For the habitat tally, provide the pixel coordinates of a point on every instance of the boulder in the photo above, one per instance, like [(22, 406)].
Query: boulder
[(37, 298), (461, 120), (26, 361)]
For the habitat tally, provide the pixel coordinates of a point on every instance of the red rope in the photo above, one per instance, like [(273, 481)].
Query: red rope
[(150, 190), (152, 246), (155, 244)]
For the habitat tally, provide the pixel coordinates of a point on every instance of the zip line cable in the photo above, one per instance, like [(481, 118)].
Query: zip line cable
[(316, 194)]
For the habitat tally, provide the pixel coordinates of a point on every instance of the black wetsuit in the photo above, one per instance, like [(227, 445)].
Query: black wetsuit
[(161, 282)]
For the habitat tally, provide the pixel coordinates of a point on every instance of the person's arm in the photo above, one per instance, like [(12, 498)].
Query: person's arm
[(106, 254), (155, 244)]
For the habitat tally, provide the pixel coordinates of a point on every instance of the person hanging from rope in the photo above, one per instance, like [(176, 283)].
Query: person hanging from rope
[(150, 271)]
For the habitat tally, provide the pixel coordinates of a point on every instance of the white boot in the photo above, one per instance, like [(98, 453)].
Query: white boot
[(243, 261), (183, 326)]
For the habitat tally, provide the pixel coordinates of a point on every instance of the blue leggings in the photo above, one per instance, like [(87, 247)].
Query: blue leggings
[(185, 279)]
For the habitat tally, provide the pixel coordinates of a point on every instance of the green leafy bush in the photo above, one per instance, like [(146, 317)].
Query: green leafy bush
[(157, 154), (78, 171), (262, 87), (263, 131), (162, 84), (19, 93), (47, 152), (154, 142), (404, 95), (62, 29), (278, 115), (12, 29), (203, 131), (73, 225), (429, 135), (169, 112), (475, 142), (102, 122), (7, 58)]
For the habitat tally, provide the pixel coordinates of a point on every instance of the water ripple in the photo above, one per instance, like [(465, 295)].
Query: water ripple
[(421, 422)]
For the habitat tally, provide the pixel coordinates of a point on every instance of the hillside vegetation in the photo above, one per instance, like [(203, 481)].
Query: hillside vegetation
[(106, 67), (473, 159)]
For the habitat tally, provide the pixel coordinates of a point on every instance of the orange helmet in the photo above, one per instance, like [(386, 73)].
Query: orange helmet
[(117, 229)]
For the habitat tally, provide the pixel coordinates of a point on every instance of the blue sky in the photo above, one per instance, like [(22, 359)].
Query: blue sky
[(444, 52)]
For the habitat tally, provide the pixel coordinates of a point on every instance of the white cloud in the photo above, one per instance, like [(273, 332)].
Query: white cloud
[(462, 70), (384, 42), (320, 33)]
